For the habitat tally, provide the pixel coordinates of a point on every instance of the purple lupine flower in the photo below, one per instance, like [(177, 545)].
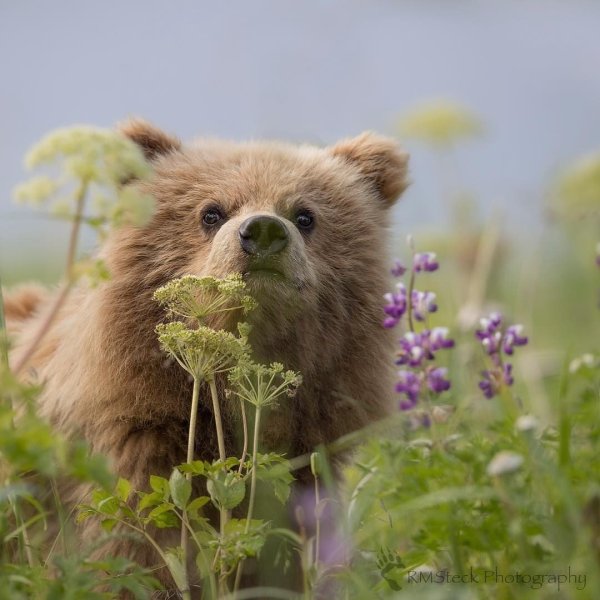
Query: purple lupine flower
[(438, 339), (414, 348), (409, 384), (398, 269), (423, 303), (496, 343), (507, 374), (489, 325), (395, 307), (512, 338), (436, 380), (489, 385), (425, 261), (492, 343)]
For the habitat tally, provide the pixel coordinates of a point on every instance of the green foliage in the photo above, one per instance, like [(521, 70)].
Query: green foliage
[(511, 483)]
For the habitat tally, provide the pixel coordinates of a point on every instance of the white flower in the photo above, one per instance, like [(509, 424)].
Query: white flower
[(527, 423), (504, 462)]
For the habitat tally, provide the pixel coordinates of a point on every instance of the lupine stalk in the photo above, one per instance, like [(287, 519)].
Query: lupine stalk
[(417, 349)]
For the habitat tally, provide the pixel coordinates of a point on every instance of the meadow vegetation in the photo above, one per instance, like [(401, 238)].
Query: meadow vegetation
[(484, 484)]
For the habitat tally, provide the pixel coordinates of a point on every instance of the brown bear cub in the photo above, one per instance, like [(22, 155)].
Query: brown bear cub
[(307, 229)]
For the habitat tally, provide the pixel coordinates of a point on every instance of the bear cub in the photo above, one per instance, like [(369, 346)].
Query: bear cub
[(307, 229)]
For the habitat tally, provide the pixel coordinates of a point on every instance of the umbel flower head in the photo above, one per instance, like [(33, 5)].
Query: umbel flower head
[(261, 385), (90, 157), (196, 298), (202, 352)]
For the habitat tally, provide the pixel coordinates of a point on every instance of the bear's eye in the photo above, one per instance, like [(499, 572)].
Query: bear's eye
[(305, 220), (211, 217)]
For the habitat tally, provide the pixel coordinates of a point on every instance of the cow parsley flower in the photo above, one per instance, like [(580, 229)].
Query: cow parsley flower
[(196, 298), (202, 352)]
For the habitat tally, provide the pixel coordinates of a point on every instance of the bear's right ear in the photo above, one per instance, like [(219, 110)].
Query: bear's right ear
[(152, 141)]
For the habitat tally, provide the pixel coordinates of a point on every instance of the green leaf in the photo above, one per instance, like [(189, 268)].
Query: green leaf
[(181, 489), (193, 508), (149, 500), (109, 506), (160, 485), (197, 467), (226, 490), (275, 470), (109, 524), (123, 489), (163, 516)]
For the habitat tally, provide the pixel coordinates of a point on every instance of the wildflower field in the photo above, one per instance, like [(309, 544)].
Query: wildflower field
[(484, 484)]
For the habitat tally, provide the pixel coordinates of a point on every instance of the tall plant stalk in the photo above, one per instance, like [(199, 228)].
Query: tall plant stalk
[(70, 278), (190, 457)]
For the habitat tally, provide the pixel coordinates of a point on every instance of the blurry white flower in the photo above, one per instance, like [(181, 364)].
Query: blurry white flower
[(527, 423), (504, 462)]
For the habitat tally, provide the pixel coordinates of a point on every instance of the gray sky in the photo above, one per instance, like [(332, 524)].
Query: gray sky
[(308, 71)]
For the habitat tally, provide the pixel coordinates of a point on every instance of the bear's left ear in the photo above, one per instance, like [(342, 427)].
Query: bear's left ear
[(153, 141), (380, 160)]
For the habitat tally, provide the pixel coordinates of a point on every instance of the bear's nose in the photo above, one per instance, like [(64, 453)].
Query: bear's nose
[(263, 235)]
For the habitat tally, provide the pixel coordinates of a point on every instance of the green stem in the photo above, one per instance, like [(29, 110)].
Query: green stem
[(218, 420), (188, 476), (409, 306), (211, 579), (238, 574), (224, 513), (185, 593), (254, 468), (245, 432), (318, 522)]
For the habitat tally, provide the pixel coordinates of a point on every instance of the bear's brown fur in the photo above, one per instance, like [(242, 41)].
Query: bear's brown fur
[(105, 377)]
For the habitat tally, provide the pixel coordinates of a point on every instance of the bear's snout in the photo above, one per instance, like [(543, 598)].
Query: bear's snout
[(263, 235)]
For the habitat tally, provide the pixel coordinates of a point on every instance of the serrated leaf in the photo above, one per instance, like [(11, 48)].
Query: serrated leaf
[(226, 492), (181, 489)]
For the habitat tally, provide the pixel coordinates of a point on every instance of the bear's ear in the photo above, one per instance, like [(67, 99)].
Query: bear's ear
[(380, 160), (153, 141)]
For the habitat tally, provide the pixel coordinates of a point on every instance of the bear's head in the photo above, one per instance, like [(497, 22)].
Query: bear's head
[(305, 226)]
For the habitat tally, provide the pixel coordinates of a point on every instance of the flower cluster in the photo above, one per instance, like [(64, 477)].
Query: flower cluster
[(498, 343), (422, 303), (196, 298), (417, 350), (202, 352), (98, 161), (262, 385)]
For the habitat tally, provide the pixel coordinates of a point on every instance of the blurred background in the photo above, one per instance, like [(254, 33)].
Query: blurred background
[(518, 81)]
